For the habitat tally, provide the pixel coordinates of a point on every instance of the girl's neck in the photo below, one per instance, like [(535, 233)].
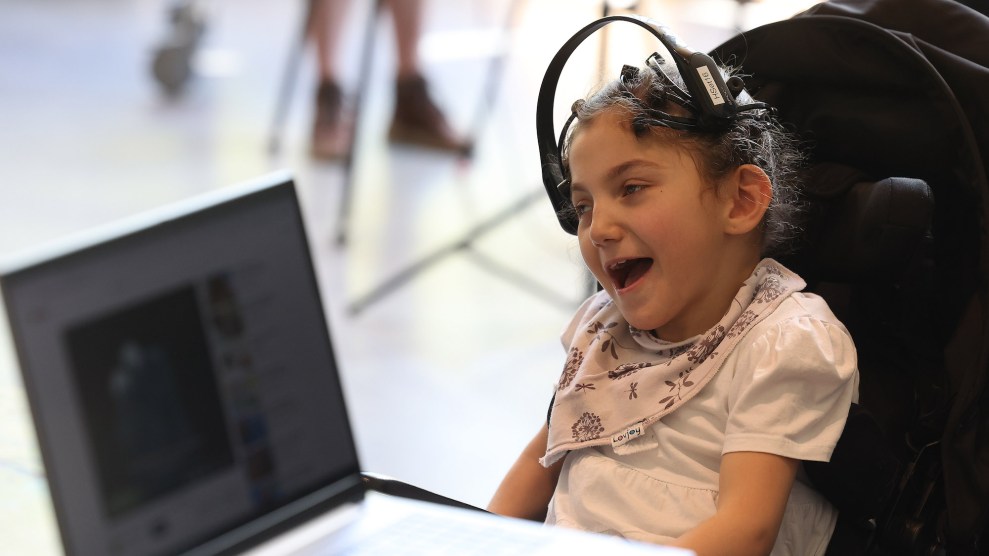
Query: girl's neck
[(732, 274)]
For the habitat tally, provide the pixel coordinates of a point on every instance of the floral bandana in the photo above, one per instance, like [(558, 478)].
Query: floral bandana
[(618, 380)]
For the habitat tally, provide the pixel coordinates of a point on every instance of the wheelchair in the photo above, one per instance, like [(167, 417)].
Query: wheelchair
[(884, 89), (890, 95)]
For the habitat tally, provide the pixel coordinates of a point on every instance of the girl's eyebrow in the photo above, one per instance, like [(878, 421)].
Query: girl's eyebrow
[(617, 171), (630, 165)]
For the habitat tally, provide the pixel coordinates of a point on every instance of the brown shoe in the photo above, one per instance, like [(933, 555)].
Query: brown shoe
[(418, 121), (332, 131)]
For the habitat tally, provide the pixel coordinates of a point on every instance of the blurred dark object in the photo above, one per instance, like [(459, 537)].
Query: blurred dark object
[(172, 63)]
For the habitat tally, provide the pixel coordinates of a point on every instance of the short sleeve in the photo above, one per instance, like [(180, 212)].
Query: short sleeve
[(591, 306), (791, 390)]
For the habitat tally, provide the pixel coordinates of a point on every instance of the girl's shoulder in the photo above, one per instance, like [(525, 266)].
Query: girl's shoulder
[(801, 310), (596, 308), (801, 335)]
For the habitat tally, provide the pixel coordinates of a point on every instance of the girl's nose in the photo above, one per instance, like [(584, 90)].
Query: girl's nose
[(605, 226)]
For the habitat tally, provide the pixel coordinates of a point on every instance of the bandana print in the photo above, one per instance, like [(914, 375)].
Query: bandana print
[(618, 380)]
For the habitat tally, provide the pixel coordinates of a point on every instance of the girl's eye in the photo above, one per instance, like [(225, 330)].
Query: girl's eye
[(632, 188), (581, 208)]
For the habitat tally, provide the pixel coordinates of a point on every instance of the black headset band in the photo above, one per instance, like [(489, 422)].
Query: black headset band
[(697, 69)]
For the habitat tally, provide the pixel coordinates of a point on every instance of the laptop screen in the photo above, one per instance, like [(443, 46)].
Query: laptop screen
[(181, 377)]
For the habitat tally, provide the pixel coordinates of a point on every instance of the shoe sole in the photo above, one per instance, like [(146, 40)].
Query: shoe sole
[(419, 138)]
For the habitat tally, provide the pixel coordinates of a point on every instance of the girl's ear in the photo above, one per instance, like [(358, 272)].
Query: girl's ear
[(747, 198)]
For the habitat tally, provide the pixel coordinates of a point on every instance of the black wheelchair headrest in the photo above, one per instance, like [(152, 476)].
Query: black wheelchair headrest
[(861, 229)]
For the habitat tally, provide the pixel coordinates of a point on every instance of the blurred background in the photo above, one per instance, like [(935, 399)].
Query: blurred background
[(449, 283)]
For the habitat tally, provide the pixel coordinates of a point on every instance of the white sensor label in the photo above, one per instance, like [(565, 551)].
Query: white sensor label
[(710, 85)]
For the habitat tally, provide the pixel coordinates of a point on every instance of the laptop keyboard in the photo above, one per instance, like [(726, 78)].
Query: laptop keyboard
[(419, 535)]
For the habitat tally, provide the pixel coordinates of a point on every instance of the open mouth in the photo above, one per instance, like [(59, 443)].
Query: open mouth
[(627, 272)]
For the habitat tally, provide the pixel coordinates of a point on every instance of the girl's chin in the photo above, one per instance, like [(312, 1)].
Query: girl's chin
[(649, 323), (639, 322)]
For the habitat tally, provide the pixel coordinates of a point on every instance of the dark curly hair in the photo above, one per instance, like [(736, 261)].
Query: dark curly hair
[(754, 137)]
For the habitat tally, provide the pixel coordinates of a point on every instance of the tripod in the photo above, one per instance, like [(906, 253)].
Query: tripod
[(466, 242)]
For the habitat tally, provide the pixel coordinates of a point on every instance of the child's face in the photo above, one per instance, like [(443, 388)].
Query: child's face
[(651, 230)]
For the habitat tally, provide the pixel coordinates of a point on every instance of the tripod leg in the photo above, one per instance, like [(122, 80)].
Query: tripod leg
[(466, 242), (288, 81), (494, 73), (603, 48), (346, 194)]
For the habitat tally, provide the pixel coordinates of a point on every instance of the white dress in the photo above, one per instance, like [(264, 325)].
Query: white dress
[(785, 390)]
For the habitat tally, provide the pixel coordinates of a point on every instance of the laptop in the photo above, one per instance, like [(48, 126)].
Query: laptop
[(183, 385)]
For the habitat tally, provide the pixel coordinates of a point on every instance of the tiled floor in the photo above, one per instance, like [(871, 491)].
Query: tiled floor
[(449, 373)]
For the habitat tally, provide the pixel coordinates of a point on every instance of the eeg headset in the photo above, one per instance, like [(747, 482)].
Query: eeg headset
[(710, 99)]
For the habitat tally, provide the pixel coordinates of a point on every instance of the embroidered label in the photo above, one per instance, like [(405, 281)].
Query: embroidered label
[(627, 435), (710, 85)]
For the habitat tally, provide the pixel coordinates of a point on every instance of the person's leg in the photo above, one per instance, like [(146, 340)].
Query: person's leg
[(407, 20), (417, 119), (332, 129), (325, 27)]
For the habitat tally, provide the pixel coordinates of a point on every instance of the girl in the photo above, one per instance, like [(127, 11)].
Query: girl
[(700, 377)]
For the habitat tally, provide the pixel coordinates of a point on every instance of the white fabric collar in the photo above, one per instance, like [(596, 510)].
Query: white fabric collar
[(618, 380)]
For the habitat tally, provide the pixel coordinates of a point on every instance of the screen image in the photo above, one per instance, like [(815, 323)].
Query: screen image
[(149, 399)]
